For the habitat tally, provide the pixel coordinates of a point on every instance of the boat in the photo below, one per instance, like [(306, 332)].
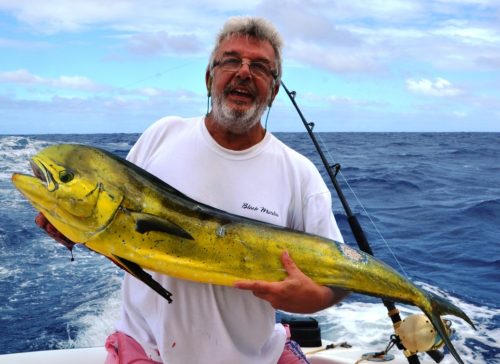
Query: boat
[(304, 330), (327, 353)]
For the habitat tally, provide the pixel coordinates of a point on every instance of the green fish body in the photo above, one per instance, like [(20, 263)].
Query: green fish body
[(139, 222)]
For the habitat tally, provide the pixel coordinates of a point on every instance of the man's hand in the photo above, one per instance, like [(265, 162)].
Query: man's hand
[(42, 222), (297, 293)]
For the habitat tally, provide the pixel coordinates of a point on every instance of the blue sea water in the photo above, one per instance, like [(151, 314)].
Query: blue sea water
[(428, 202)]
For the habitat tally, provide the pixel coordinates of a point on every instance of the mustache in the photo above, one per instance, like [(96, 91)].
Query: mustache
[(244, 84)]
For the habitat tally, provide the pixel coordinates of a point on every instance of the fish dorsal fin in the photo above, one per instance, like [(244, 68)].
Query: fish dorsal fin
[(146, 222), (140, 274)]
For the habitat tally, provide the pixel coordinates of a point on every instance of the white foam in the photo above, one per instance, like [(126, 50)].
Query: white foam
[(15, 153), (361, 324), (367, 325), (482, 317), (94, 327), (6, 273)]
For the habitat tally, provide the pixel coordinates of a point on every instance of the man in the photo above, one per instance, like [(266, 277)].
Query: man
[(226, 159)]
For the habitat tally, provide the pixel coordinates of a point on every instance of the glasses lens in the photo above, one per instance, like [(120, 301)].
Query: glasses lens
[(259, 69), (230, 64)]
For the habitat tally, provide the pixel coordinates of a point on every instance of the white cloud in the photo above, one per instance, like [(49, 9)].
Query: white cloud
[(355, 41), (333, 59), (124, 15), (489, 61), (355, 35), (385, 10), (93, 114), (75, 83), (462, 31), (158, 93), (148, 44), (469, 2), (79, 83), (440, 87), (20, 77), (24, 77), (459, 114), (306, 22), (55, 16), (150, 91), (23, 45)]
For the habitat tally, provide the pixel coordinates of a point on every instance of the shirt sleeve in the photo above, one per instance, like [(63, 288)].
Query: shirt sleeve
[(148, 142), (319, 218)]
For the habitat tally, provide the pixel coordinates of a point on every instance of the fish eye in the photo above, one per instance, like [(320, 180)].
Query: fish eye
[(65, 176)]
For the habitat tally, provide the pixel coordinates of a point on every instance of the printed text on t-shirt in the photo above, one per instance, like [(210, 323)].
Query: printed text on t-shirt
[(261, 209)]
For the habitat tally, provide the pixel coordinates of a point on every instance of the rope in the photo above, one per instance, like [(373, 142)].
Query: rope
[(344, 344)]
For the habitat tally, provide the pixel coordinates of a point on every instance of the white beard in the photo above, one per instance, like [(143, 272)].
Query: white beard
[(233, 120)]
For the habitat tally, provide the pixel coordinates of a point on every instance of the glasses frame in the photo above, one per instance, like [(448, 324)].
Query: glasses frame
[(226, 65)]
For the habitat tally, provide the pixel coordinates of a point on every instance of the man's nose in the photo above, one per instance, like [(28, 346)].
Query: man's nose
[(244, 71)]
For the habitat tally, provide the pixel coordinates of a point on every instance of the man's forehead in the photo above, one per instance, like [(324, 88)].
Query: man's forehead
[(242, 44)]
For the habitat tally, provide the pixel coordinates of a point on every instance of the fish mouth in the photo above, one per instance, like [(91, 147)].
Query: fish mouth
[(37, 171), (41, 172), (36, 186)]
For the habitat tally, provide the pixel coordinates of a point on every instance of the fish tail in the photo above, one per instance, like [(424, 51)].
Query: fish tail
[(438, 307)]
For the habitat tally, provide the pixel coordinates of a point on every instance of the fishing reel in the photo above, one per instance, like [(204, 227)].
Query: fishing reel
[(417, 334)]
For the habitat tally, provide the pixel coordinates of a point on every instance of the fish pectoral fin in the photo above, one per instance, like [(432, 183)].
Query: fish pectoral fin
[(140, 274), (147, 222)]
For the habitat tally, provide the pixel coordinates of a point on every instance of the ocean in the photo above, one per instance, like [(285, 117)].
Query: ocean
[(429, 204)]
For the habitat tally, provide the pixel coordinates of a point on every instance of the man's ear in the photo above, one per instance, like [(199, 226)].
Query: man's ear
[(208, 81), (275, 87)]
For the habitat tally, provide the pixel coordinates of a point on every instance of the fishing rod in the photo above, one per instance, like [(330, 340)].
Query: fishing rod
[(357, 230)]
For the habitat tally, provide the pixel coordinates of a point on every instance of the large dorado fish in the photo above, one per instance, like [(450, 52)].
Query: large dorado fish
[(138, 221)]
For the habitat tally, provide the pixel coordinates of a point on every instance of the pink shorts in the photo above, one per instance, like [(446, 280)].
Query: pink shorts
[(122, 349), (292, 354)]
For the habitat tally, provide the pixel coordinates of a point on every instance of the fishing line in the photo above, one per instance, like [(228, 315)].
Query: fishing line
[(325, 147), (160, 74), (356, 228), (267, 117), (208, 105)]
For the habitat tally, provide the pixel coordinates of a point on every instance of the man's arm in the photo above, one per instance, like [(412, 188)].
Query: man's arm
[(297, 293)]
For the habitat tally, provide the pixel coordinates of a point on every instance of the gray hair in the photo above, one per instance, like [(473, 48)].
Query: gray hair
[(255, 27)]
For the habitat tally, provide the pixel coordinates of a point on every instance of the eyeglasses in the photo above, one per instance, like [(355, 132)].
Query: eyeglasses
[(257, 68)]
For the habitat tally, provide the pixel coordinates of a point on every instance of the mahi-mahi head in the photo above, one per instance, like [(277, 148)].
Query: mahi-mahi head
[(139, 222)]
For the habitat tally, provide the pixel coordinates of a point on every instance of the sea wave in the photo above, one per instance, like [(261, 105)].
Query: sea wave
[(488, 209), (438, 211), (346, 321), (15, 152)]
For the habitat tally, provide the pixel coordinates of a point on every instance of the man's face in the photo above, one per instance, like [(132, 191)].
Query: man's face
[(242, 92)]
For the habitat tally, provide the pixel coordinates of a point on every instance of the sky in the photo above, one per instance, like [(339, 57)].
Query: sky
[(116, 66)]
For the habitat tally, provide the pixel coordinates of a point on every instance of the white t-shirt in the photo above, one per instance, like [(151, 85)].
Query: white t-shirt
[(268, 182)]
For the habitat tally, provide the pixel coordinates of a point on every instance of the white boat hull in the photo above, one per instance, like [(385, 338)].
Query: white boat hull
[(97, 355)]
